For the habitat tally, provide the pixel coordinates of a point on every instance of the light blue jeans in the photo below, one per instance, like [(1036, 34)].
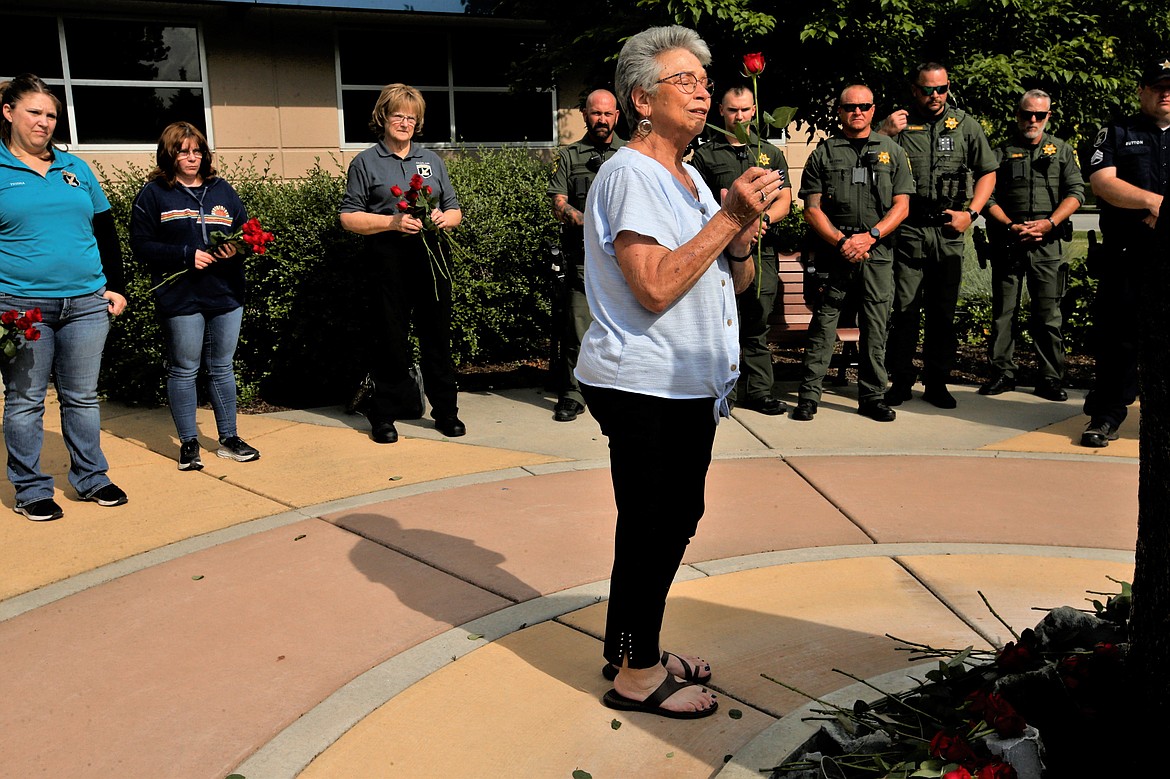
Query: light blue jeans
[(210, 339), (73, 335)]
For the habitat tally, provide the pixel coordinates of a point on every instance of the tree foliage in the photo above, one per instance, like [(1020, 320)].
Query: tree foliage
[(1087, 54)]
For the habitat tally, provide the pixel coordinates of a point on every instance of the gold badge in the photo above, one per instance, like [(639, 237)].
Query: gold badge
[(884, 157), (1049, 150), (764, 160), (951, 123)]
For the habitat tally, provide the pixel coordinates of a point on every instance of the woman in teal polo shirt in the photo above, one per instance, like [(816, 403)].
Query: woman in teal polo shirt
[(58, 253)]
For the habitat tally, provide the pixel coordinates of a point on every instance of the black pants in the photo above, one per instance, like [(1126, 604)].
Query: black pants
[(407, 289), (659, 452), (1117, 322)]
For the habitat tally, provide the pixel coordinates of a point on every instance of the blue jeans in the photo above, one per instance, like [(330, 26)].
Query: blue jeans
[(210, 338), (73, 335)]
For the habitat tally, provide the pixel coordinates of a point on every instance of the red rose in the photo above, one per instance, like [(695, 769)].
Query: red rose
[(753, 64), (1104, 651), (403, 205), (412, 196), (34, 315), (416, 181), (8, 317), (996, 770), (997, 712), (428, 189), (396, 191), (958, 773), (951, 747), (1015, 658), (22, 322), (260, 249), (1073, 669), (32, 334)]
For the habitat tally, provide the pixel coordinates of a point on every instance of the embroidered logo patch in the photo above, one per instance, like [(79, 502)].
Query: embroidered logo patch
[(1097, 157), (424, 169), (70, 179), (1101, 136)]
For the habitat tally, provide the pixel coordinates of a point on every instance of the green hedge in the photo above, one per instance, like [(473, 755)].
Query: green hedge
[(303, 340)]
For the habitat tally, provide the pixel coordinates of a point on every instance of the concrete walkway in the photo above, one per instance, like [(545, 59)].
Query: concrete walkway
[(435, 608)]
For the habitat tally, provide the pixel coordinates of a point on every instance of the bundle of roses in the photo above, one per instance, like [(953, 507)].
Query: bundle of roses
[(419, 201), (250, 239), (1060, 680), (18, 327)]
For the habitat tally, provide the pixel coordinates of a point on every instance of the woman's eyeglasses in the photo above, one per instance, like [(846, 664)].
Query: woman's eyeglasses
[(402, 119), (687, 82), (192, 153)]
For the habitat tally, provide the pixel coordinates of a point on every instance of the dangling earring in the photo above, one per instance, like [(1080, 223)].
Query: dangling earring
[(645, 127)]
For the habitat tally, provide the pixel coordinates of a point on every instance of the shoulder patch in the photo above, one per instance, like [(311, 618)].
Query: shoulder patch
[(1101, 136), (1097, 157)]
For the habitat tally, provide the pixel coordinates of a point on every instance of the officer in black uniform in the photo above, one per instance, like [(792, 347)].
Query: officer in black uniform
[(856, 189), (954, 169), (1128, 169), (1037, 189), (720, 162), (574, 170)]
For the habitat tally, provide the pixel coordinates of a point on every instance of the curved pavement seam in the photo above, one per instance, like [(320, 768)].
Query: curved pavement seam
[(289, 752)]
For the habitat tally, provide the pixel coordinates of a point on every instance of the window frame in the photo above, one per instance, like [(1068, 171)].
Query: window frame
[(450, 88), (67, 82)]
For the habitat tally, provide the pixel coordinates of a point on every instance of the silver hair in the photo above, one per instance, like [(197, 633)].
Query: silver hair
[(638, 65), (1036, 94)]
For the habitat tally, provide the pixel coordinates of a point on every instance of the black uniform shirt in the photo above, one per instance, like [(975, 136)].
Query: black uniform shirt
[(1141, 153)]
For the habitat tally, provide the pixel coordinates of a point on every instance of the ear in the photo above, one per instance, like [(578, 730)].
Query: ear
[(640, 99)]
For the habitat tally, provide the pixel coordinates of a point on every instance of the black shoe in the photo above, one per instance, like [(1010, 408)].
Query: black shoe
[(189, 459), (450, 426), (109, 495), (384, 433), (938, 395), (805, 410), (769, 406), (234, 448), (998, 385), (1050, 389), (40, 510), (898, 394), (567, 410), (877, 410), (1098, 434)]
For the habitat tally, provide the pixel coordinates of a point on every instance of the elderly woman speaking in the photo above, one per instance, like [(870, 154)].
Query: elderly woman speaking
[(663, 262)]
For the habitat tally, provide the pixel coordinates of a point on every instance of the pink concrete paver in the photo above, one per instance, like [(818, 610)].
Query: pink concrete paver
[(184, 669), (983, 500)]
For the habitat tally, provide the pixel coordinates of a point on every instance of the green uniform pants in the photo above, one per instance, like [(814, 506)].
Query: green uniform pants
[(755, 361), (1046, 278), (575, 321), (928, 266), (870, 292)]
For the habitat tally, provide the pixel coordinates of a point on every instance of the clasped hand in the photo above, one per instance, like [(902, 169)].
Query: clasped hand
[(204, 259)]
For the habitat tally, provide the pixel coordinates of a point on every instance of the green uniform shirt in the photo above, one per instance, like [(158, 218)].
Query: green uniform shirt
[(720, 163), (857, 181), (1033, 179), (947, 153), (575, 167)]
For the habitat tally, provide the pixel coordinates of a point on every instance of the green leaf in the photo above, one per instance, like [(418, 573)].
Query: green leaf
[(474, 636), (735, 714), (197, 577), (615, 724), (781, 117), (670, 754), (579, 774)]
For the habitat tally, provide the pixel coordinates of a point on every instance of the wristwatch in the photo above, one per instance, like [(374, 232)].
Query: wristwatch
[(875, 233), (974, 214)]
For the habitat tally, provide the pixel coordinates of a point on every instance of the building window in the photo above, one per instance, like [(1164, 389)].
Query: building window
[(459, 74), (122, 81)]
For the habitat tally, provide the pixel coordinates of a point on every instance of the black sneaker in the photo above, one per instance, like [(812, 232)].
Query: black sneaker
[(1098, 434), (234, 448), (109, 495), (567, 410), (40, 510), (189, 459)]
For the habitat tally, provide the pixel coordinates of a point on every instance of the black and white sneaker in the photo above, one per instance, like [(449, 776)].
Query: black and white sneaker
[(189, 459), (40, 510), (109, 495), (234, 448)]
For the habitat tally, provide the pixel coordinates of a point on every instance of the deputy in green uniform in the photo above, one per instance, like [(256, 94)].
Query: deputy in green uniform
[(720, 162), (856, 189), (1037, 189), (573, 172), (954, 169)]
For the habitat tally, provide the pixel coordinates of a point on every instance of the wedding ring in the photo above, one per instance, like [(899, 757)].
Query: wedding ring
[(762, 198)]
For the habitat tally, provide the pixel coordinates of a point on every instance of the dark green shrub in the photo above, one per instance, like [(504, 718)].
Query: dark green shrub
[(303, 340), (1077, 307)]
